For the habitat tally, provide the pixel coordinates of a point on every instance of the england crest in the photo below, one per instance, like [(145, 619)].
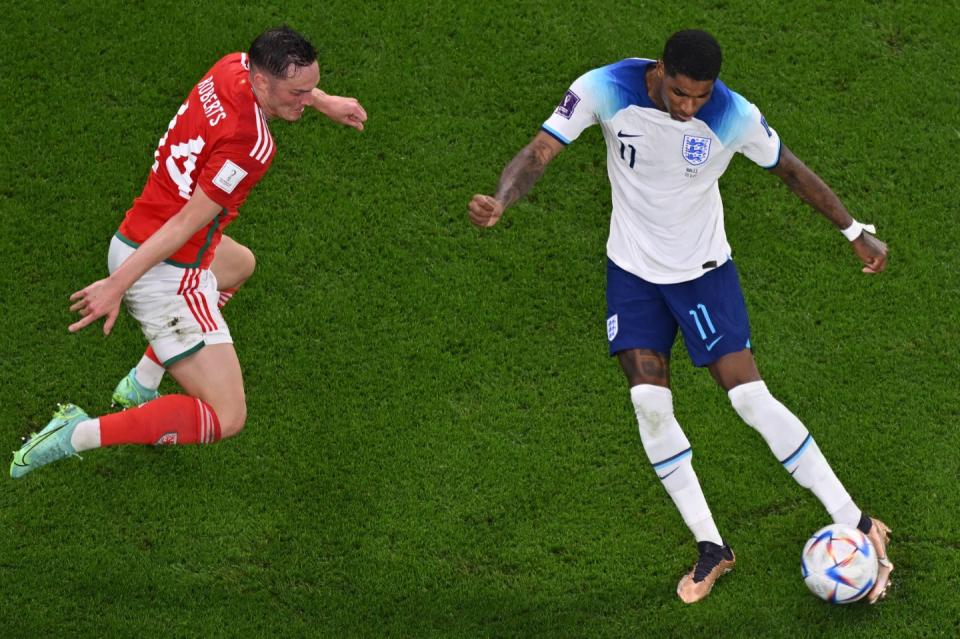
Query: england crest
[(613, 327), (696, 150)]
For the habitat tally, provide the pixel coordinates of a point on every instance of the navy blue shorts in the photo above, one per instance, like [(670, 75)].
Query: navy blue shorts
[(709, 311)]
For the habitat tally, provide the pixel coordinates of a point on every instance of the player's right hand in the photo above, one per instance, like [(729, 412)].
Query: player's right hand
[(102, 298), (485, 211)]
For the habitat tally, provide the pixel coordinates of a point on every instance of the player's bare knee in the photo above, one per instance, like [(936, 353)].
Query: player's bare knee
[(735, 369), (248, 262), (232, 419)]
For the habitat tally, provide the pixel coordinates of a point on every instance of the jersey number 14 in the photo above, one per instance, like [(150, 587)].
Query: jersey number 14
[(185, 151)]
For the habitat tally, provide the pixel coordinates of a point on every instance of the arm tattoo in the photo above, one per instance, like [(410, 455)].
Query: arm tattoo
[(523, 172)]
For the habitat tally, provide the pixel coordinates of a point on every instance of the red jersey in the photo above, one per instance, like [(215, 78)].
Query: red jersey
[(218, 140)]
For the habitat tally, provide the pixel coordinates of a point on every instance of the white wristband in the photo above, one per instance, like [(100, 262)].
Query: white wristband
[(853, 231)]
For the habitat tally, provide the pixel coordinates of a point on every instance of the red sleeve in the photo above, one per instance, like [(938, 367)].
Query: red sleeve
[(235, 165)]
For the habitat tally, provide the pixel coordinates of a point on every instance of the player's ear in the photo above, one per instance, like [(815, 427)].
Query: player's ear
[(259, 80)]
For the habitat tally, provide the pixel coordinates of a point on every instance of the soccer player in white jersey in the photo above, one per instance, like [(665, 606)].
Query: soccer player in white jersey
[(173, 267), (671, 129)]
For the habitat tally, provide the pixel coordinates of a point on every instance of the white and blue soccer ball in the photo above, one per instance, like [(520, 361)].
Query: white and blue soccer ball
[(839, 564)]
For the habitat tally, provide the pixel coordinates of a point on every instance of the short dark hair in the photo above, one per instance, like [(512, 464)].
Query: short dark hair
[(275, 50), (693, 53)]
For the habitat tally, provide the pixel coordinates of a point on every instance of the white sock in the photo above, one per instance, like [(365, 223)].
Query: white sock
[(86, 435), (793, 445), (669, 451), (847, 514), (149, 373)]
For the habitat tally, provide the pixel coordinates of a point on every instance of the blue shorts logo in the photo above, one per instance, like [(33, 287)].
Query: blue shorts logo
[(612, 327), (696, 150)]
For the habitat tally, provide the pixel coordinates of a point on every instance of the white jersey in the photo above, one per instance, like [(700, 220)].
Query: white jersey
[(667, 222)]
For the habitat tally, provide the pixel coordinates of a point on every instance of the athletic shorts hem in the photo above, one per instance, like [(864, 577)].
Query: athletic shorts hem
[(186, 353), (707, 361)]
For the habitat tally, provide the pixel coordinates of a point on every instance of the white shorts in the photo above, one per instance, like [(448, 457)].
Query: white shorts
[(176, 307)]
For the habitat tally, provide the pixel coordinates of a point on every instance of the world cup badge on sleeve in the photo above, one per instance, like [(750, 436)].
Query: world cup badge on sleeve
[(696, 150), (568, 104)]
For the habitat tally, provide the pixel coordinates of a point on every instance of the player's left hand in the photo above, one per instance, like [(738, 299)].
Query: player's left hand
[(345, 111), (102, 298), (871, 251)]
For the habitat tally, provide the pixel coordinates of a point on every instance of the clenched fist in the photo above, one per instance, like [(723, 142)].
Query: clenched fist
[(485, 211)]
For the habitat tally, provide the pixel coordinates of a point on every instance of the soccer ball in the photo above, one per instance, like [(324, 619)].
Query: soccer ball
[(839, 564)]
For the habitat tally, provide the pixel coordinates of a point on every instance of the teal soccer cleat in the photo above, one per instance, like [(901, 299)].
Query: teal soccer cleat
[(50, 444), (130, 393)]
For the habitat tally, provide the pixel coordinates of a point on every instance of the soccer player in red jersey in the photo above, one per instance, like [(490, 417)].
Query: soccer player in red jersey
[(171, 264)]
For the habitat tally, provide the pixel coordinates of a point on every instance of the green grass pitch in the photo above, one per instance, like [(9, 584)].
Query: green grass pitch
[(438, 444)]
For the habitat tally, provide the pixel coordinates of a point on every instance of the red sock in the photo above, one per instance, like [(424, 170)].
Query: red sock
[(171, 419), (153, 356), (225, 296)]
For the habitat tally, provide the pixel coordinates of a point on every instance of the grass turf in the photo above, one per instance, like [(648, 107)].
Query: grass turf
[(437, 443)]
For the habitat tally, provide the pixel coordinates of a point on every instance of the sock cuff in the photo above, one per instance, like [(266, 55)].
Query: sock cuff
[(208, 424), (743, 391), (149, 354), (851, 515), (225, 296), (658, 398)]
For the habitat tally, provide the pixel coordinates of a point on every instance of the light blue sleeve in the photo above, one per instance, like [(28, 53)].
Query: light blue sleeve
[(750, 134), (579, 107)]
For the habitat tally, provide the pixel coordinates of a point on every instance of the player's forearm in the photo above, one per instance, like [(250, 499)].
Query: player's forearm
[(175, 232), (520, 175), (810, 188), (342, 110), (158, 247), (320, 100), (325, 103), (815, 192)]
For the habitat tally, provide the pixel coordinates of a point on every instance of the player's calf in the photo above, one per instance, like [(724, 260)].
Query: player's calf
[(670, 453), (796, 449), (168, 420)]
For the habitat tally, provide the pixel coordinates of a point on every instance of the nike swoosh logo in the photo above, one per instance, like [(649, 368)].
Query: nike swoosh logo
[(670, 473), (621, 134), (36, 441), (714, 343)]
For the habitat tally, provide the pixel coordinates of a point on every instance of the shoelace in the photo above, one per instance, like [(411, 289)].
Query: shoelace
[(707, 562)]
